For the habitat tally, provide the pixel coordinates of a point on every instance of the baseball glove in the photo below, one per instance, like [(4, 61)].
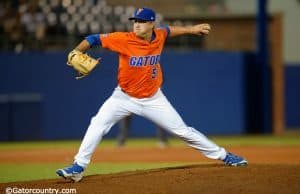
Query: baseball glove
[(82, 63)]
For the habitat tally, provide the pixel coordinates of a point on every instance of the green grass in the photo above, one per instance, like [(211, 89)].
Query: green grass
[(142, 142), (258, 140), (35, 171), (150, 142)]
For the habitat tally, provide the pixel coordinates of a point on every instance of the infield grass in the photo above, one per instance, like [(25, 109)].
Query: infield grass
[(248, 140)]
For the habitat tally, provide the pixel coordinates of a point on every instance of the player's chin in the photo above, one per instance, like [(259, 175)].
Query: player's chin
[(139, 34)]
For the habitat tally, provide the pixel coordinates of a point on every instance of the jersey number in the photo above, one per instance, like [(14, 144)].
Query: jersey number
[(154, 73)]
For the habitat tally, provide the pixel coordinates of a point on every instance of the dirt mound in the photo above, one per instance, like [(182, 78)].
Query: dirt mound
[(209, 178)]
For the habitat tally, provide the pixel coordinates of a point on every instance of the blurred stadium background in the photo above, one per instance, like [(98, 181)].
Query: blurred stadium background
[(241, 79)]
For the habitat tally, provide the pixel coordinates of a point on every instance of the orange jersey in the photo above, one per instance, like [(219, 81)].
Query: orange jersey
[(139, 73)]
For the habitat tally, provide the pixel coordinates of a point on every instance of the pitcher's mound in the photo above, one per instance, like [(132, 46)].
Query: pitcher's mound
[(210, 178)]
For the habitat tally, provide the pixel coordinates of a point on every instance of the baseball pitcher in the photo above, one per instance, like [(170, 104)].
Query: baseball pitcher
[(138, 92)]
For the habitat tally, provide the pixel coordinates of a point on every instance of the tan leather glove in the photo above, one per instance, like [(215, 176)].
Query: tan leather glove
[(82, 63)]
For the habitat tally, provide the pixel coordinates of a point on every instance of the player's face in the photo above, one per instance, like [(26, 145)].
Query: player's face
[(142, 28)]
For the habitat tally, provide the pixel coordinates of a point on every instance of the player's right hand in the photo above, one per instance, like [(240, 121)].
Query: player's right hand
[(200, 29)]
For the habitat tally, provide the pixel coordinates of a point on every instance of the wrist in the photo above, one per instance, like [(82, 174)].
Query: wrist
[(190, 30)]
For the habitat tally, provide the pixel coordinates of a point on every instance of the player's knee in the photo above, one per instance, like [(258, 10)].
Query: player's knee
[(182, 131)]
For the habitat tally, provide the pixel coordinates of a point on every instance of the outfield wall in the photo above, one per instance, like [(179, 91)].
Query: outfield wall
[(292, 95), (214, 92)]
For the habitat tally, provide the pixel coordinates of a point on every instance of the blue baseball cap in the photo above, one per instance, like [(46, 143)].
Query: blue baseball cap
[(144, 13)]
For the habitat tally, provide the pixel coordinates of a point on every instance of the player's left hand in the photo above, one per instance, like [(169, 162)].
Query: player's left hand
[(82, 63), (200, 29)]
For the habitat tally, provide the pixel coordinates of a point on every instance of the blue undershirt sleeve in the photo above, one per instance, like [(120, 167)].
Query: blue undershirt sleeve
[(168, 30), (93, 40)]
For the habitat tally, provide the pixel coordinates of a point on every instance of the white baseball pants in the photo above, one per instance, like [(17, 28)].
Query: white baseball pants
[(157, 109)]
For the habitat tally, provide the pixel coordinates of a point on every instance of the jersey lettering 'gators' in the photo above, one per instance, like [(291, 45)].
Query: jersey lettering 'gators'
[(144, 60), (139, 73)]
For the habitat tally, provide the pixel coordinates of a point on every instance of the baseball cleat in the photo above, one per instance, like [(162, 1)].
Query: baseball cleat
[(73, 172), (234, 160)]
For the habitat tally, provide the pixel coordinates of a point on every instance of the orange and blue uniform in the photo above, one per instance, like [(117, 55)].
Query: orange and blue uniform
[(139, 76), (139, 73)]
